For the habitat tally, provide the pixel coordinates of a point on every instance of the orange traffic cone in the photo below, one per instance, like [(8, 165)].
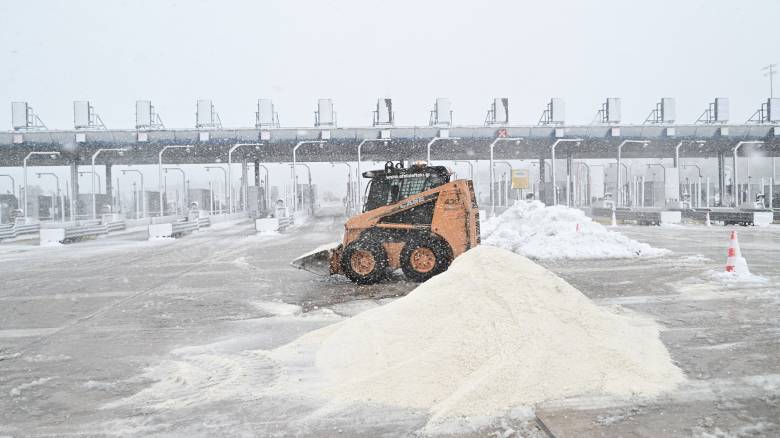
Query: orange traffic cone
[(734, 261)]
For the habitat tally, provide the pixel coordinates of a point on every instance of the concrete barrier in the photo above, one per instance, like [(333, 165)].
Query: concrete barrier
[(159, 231), (671, 217), (266, 225), (52, 236), (763, 218)]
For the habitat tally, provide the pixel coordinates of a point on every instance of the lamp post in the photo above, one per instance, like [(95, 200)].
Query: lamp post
[(94, 175), (308, 170), (94, 156), (735, 183), (62, 200), (434, 140), (143, 193), (208, 169), (52, 154), (588, 184), (698, 191), (471, 167), (13, 183), (349, 182), (517, 141), (295, 188), (619, 152), (552, 151), (359, 159), (183, 185), (160, 173), (509, 165), (267, 192), (230, 166), (677, 155)]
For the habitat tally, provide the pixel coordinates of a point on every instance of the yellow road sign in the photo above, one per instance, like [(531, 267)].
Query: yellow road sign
[(520, 178)]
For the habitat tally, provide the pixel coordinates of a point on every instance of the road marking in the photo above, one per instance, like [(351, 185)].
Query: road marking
[(72, 296), (26, 333)]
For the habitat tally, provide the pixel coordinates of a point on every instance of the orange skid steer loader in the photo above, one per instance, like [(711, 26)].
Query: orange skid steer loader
[(414, 219)]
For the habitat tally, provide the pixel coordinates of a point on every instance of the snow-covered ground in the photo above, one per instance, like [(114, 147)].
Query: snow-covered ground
[(122, 337)]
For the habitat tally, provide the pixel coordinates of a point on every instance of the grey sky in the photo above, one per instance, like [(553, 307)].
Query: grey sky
[(173, 53)]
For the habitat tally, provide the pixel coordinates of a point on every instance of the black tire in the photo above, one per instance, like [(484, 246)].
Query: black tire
[(438, 248), (364, 248)]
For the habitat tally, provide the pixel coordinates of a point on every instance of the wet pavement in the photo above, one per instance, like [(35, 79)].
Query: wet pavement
[(104, 338)]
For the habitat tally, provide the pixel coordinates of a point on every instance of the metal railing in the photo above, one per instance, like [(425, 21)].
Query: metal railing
[(84, 232), (184, 227), (12, 231), (285, 222)]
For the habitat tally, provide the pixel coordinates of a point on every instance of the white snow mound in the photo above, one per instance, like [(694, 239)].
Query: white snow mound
[(493, 332), (558, 232)]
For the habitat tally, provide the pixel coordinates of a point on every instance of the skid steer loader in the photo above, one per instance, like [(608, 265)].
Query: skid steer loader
[(413, 218)]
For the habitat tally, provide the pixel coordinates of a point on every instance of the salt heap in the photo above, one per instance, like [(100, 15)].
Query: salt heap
[(493, 332), (558, 232)]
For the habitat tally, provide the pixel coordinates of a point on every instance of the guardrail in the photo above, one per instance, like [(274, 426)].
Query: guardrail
[(115, 226), (731, 216), (642, 217), (84, 232), (204, 222), (728, 216), (12, 231)]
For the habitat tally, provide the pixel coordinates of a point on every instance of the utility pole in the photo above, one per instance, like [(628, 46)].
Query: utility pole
[(770, 70)]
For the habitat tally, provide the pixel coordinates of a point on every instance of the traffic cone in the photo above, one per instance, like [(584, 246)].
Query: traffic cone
[(734, 261)]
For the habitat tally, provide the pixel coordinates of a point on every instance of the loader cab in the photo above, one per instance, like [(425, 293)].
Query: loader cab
[(396, 182)]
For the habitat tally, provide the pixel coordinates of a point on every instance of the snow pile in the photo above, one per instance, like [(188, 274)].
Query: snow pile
[(493, 332), (558, 232)]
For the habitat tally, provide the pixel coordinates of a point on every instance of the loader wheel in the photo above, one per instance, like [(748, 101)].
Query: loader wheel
[(424, 257), (364, 262)]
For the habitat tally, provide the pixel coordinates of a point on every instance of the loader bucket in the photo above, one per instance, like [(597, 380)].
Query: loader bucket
[(317, 261)]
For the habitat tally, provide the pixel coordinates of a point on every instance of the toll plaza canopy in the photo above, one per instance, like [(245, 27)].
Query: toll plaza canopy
[(410, 143)]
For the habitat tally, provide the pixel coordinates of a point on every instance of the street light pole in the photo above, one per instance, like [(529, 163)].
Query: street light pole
[(94, 175), (160, 173), (509, 165), (13, 183), (434, 140), (143, 193), (359, 159), (619, 152), (183, 185), (94, 156), (735, 181), (349, 182), (62, 201), (24, 165), (552, 151), (267, 192), (311, 201), (294, 184), (471, 167), (517, 140), (208, 168), (230, 167)]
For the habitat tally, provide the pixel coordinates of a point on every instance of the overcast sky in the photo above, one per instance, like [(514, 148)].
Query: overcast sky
[(113, 53)]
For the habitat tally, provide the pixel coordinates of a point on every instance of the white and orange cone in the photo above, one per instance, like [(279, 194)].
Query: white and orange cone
[(734, 261)]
